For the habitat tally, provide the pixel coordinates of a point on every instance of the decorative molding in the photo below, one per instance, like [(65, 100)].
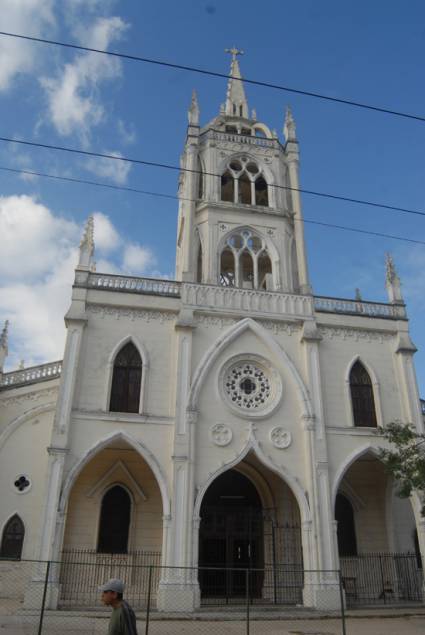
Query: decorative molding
[(280, 327), (119, 465), (212, 320), (29, 396), (221, 434), (118, 312), (121, 417), (331, 332), (280, 437)]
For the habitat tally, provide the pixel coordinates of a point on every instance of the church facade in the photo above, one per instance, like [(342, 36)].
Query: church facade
[(227, 418)]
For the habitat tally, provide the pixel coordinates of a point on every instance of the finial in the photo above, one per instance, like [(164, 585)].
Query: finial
[(193, 112), (21, 365), (289, 128), (4, 335), (254, 114), (358, 295), (234, 52), (87, 243), (393, 283)]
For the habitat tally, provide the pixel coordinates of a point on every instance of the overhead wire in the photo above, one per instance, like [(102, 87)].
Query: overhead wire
[(175, 168), (202, 71), (174, 197)]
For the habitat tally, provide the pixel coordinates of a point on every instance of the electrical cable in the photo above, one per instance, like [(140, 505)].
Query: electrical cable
[(174, 197), (193, 69), (176, 168)]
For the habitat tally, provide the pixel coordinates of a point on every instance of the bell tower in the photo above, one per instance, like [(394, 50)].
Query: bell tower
[(240, 219)]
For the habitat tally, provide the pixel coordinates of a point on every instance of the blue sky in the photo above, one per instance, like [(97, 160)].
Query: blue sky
[(365, 51)]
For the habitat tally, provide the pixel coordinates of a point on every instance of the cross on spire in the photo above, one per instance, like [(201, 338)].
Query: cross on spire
[(234, 52)]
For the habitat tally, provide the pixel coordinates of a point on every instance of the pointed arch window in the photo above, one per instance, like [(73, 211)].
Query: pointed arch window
[(199, 263), (114, 522), (245, 261), (362, 399), (126, 380), (346, 531), (243, 182), (13, 538)]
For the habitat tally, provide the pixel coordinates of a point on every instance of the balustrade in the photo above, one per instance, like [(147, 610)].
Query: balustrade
[(243, 139), (30, 375), (150, 286), (358, 307)]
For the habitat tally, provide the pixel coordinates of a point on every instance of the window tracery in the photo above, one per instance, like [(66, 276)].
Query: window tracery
[(243, 182), (245, 261)]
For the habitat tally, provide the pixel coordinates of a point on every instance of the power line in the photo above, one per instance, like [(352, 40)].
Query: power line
[(175, 168), (174, 197), (193, 69)]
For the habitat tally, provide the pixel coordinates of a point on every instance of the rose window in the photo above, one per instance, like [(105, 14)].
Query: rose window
[(248, 386), (21, 483)]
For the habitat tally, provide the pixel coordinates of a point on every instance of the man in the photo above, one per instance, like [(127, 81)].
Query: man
[(123, 620)]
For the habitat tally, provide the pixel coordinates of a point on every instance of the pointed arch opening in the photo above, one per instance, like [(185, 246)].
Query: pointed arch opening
[(227, 187), (12, 540), (244, 189), (227, 268), (250, 519), (199, 264), (114, 523), (246, 270), (126, 380), (362, 398), (261, 192), (265, 281)]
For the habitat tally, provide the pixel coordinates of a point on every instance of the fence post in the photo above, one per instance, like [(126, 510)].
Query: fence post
[(384, 595), (148, 602), (247, 600), (43, 601), (341, 595)]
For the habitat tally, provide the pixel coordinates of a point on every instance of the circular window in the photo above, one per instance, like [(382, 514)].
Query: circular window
[(250, 385), (22, 483)]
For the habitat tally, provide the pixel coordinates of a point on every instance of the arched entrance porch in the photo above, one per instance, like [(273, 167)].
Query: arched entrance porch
[(376, 536), (250, 535), (114, 526)]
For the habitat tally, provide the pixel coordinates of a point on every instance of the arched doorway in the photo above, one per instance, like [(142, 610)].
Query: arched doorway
[(231, 537)]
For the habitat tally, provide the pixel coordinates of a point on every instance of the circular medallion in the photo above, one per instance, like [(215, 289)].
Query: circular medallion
[(221, 434), (250, 385), (280, 438)]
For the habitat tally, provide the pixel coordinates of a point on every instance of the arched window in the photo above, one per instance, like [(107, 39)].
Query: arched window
[(126, 380), (243, 182), (200, 180), (114, 522), (13, 538), (346, 532), (227, 187), (362, 400), (245, 261), (227, 268)]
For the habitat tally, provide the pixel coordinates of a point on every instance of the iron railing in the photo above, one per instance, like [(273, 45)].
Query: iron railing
[(382, 578)]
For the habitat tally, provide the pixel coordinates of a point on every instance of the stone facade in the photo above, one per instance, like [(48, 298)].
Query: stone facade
[(241, 310)]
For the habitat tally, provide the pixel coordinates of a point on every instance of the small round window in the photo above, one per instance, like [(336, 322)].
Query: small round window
[(250, 386), (22, 483)]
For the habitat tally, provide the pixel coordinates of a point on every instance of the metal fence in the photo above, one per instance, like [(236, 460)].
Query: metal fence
[(35, 598), (382, 578)]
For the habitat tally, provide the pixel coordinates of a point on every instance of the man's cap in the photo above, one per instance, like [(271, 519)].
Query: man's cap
[(113, 585)]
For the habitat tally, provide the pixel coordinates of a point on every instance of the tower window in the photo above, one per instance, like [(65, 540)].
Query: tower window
[(114, 521), (362, 399), (245, 261), (126, 380), (13, 538), (243, 182)]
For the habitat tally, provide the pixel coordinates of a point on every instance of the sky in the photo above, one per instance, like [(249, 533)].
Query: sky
[(363, 51)]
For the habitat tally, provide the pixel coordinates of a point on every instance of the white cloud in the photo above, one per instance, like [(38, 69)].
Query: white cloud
[(116, 171), (30, 17), (127, 132), (73, 96), (37, 260), (106, 237), (137, 259)]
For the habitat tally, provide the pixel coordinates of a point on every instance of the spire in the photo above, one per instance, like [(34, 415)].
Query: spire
[(393, 283), (85, 260), (236, 103), (193, 112), (289, 128), (4, 344)]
